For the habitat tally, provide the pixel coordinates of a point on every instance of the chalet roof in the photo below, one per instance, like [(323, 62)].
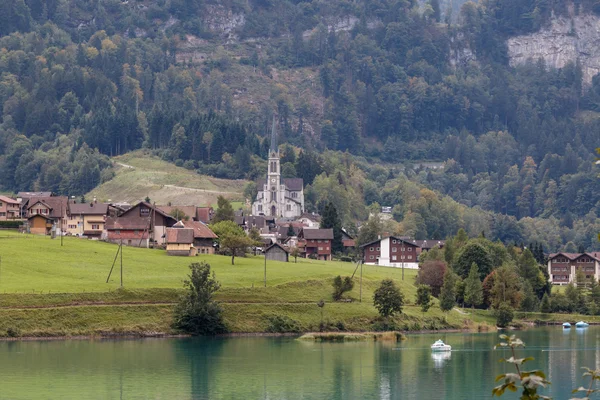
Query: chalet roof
[(239, 219), (28, 195), (180, 236), (39, 215), (188, 211), (274, 245), (204, 214), (575, 256), (8, 200), (346, 235), (151, 207), (201, 231), (425, 244), (324, 234), (282, 231), (88, 209), (370, 243), (56, 204), (256, 220), (312, 217)]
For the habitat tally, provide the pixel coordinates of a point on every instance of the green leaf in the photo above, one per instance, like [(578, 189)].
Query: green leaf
[(499, 377)]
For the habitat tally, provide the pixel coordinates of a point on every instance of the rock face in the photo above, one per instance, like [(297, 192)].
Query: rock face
[(567, 39)]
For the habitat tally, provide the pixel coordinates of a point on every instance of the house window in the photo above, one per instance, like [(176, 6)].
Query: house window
[(371, 249), (95, 227), (393, 258), (371, 257), (326, 248), (136, 232), (394, 249), (403, 249), (117, 232), (144, 212), (294, 195), (260, 207), (0, 204), (393, 241), (410, 249), (402, 257), (318, 241), (320, 248), (288, 207), (378, 249), (2, 214), (410, 257)]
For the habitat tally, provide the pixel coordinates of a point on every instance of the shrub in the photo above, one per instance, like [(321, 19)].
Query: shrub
[(383, 325), (197, 313), (281, 324), (341, 285), (10, 224), (13, 332), (504, 315), (388, 299)]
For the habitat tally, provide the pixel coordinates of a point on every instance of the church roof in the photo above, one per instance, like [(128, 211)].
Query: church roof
[(273, 137), (293, 184)]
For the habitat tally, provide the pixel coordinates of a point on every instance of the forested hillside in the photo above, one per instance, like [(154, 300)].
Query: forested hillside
[(393, 82)]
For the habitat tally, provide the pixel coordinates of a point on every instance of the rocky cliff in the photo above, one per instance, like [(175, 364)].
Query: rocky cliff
[(566, 39)]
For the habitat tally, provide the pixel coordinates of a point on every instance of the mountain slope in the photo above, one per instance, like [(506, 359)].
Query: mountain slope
[(138, 175)]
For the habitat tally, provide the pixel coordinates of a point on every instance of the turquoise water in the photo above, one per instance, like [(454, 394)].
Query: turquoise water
[(284, 368)]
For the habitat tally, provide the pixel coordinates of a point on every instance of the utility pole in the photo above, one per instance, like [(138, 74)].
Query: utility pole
[(265, 269), (121, 262), (360, 292)]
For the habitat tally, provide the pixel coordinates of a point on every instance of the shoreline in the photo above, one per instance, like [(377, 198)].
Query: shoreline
[(160, 335)]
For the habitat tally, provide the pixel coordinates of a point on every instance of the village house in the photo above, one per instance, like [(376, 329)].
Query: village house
[(54, 208), (397, 252), (87, 219), (563, 267), (310, 220), (277, 252), (142, 226), (39, 224), (204, 237), (315, 243), (24, 199), (10, 209), (180, 240)]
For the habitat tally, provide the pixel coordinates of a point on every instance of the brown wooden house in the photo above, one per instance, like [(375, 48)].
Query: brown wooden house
[(204, 237), (180, 241), (142, 225), (315, 243)]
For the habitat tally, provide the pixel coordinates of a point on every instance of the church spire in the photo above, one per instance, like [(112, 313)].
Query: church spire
[(273, 138)]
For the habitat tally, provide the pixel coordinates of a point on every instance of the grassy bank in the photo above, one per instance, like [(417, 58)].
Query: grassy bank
[(49, 290)]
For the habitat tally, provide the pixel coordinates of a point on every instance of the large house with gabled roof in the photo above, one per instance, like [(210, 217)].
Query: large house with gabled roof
[(398, 252), (563, 267)]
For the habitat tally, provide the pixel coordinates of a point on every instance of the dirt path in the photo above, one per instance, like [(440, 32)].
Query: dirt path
[(125, 165), (199, 190)]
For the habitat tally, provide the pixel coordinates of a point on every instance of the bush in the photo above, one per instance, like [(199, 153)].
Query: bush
[(13, 332), (281, 324), (341, 285), (504, 315), (197, 313), (345, 259), (384, 325), (10, 224), (388, 299)]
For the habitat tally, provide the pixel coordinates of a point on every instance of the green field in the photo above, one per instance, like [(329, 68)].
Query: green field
[(139, 174)]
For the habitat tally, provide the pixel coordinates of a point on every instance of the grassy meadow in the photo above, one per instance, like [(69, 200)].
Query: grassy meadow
[(138, 174)]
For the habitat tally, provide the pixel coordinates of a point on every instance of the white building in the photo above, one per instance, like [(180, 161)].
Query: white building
[(277, 197)]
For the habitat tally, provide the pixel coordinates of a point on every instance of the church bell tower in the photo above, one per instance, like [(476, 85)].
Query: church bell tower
[(273, 178)]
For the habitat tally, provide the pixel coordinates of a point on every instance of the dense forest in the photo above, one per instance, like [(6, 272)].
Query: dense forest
[(395, 83)]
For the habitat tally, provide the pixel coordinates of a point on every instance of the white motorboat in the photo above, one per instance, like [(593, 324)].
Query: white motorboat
[(566, 325), (582, 324), (440, 346)]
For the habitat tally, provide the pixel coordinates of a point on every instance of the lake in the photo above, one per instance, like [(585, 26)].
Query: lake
[(284, 368)]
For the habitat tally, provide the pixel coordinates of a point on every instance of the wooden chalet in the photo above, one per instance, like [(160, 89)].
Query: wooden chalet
[(277, 252), (180, 241), (315, 243), (204, 237), (143, 225)]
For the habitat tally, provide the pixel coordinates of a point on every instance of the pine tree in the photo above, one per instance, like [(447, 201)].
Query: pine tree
[(330, 220), (473, 288), (224, 211), (545, 305), (423, 297), (448, 293)]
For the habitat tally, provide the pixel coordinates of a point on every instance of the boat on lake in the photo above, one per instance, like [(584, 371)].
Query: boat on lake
[(582, 324), (439, 345), (566, 325)]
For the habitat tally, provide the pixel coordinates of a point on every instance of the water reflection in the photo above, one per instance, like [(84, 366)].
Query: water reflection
[(440, 358), (284, 368)]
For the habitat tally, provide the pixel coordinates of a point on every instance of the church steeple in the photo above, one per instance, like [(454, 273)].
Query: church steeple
[(273, 148)]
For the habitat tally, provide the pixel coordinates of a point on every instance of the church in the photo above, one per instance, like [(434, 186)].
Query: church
[(277, 197)]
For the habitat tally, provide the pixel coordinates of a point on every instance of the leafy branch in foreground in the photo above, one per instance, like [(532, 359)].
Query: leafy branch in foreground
[(595, 376), (530, 381)]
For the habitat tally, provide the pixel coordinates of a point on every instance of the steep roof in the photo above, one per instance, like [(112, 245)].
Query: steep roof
[(323, 234), (56, 204), (204, 214), (180, 236), (27, 195), (88, 209), (574, 256), (276, 245), (188, 211), (131, 221), (151, 207), (312, 217), (201, 231), (426, 244), (8, 200), (294, 184)]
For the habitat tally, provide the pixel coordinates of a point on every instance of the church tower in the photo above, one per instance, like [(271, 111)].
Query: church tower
[(273, 184)]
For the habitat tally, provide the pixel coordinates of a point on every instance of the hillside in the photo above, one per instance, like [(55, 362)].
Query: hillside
[(361, 91), (139, 175)]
